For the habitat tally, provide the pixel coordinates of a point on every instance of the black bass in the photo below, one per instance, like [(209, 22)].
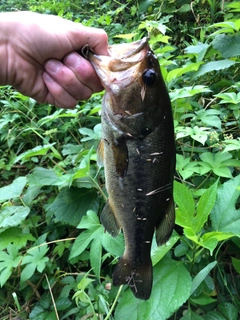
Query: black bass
[(138, 154)]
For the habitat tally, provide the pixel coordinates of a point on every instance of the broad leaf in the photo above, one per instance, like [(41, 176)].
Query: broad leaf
[(236, 264), (225, 217), (191, 315), (158, 252), (115, 246), (228, 45), (96, 256), (186, 206), (210, 239), (8, 261), (171, 288), (35, 259), (12, 216), (43, 177), (204, 207), (213, 66), (16, 236), (71, 205), (202, 275), (229, 311), (13, 190), (83, 240)]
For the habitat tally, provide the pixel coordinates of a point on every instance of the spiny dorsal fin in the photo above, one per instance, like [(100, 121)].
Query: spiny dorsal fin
[(165, 228)]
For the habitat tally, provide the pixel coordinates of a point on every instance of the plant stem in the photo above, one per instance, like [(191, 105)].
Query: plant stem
[(114, 303)]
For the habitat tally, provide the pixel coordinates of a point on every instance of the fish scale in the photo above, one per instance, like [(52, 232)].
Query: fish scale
[(139, 158)]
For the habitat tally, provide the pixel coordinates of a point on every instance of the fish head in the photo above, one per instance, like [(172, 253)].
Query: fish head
[(135, 91)]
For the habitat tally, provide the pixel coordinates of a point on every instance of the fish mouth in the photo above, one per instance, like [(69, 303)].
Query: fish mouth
[(122, 64)]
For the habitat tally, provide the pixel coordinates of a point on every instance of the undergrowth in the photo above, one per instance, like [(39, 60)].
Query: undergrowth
[(56, 260)]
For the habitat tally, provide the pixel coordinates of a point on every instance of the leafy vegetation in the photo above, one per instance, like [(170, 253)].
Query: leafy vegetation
[(56, 260)]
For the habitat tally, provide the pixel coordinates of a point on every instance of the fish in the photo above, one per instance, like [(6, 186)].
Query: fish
[(137, 151)]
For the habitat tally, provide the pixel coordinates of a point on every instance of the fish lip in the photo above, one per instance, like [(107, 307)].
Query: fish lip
[(119, 64), (125, 53)]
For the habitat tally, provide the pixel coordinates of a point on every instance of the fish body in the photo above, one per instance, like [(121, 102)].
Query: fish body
[(138, 154)]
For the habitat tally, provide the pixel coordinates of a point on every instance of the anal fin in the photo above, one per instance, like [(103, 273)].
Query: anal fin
[(109, 220), (165, 228)]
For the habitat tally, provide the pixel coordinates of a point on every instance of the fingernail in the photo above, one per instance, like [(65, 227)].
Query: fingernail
[(46, 77), (52, 65)]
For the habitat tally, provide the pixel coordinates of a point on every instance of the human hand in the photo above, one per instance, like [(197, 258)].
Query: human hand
[(41, 59)]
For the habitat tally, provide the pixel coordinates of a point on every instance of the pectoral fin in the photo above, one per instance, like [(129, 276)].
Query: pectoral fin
[(109, 220), (100, 153), (120, 154), (165, 228)]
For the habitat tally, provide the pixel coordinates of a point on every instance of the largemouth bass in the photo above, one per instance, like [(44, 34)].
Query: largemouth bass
[(138, 153)]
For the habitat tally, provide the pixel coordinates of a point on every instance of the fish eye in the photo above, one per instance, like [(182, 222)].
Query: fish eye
[(149, 77)]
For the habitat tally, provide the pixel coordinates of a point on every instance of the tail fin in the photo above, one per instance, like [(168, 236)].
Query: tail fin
[(139, 278)]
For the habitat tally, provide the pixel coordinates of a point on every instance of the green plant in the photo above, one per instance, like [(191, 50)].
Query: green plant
[(56, 260)]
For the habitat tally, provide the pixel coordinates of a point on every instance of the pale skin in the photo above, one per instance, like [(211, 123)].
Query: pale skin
[(40, 57)]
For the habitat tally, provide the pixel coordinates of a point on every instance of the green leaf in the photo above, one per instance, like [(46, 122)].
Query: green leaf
[(158, 252), (236, 264), (38, 313), (35, 259), (210, 239), (13, 190), (202, 275), (190, 315), (83, 240), (185, 167), (62, 303), (229, 311), (71, 204), (176, 73), (127, 36), (84, 283), (199, 134), (115, 246), (225, 217), (186, 206), (13, 215), (203, 299), (213, 315), (37, 151), (89, 221), (31, 193), (96, 256), (188, 92), (199, 50), (219, 163), (213, 66), (16, 236), (8, 261), (227, 45), (43, 177), (229, 97), (205, 206), (171, 288)]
